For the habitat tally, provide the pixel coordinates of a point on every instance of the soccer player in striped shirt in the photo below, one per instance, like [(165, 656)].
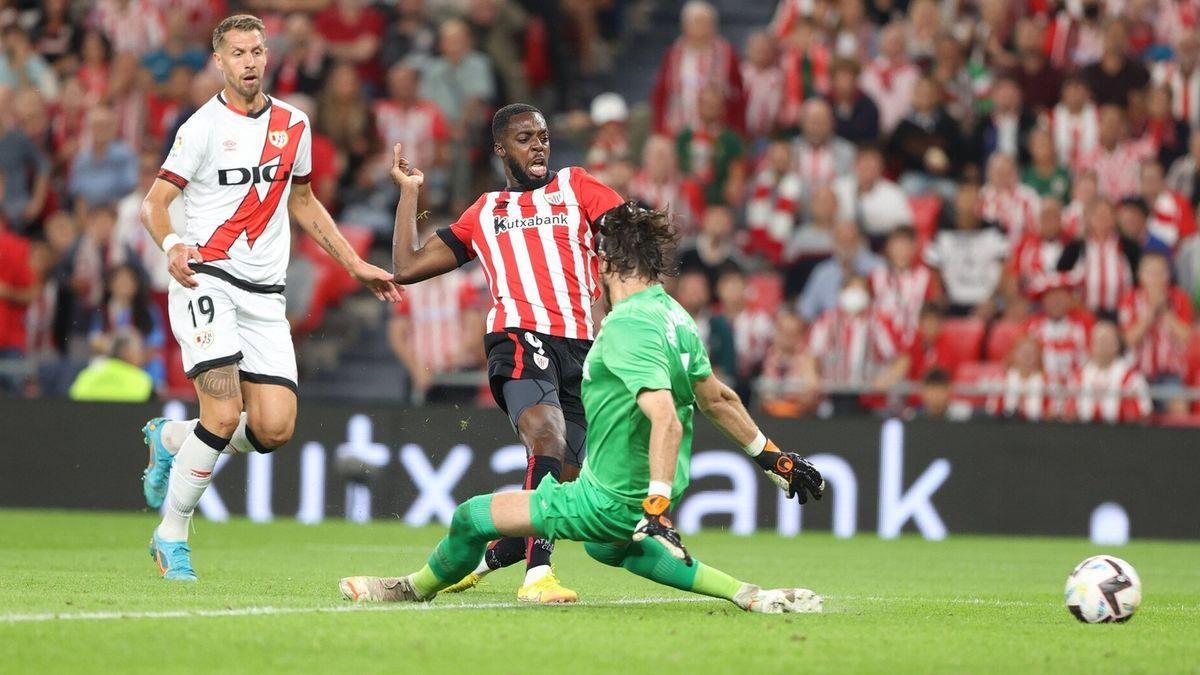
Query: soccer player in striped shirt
[(535, 242), (643, 379)]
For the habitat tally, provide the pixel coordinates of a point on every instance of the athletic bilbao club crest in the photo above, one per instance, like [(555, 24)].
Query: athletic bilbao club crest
[(541, 361), (204, 338), (278, 138), (554, 198)]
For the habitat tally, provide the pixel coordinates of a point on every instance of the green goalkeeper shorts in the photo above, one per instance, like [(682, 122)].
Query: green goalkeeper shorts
[(580, 511)]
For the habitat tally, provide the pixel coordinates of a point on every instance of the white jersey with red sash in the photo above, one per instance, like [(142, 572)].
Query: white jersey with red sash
[(236, 171)]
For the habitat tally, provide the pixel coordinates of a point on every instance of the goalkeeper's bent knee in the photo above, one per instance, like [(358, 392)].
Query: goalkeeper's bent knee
[(471, 529)]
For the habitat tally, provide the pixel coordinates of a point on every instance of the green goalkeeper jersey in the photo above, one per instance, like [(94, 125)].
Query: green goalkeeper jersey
[(647, 342)]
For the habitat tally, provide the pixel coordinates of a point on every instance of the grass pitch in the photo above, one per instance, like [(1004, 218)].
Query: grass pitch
[(78, 593)]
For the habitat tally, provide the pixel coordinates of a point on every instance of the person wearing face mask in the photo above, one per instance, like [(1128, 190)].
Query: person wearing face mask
[(850, 258), (854, 345)]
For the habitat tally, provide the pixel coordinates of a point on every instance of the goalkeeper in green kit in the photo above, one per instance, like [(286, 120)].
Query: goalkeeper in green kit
[(644, 373)]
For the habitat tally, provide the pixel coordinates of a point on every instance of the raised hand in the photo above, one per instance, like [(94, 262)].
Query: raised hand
[(403, 175)]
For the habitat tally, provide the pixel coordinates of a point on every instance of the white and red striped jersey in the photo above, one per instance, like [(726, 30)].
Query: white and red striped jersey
[(765, 88), (853, 349), (1112, 394), (1072, 219), (1118, 171), (771, 213), (788, 13), (753, 331), (236, 171), (684, 73), (1019, 396), (1104, 273), (136, 26), (682, 197), (435, 309), (1185, 90), (900, 295), (817, 165), (1064, 343), (1034, 263), (1171, 218), (1015, 210), (537, 252), (420, 127), (1075, 134), (1158, 352)]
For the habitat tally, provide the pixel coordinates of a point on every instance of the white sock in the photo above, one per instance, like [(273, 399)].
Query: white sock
[(239, 444), (483, 570), (534, 574), (175, 432), (191, 472)]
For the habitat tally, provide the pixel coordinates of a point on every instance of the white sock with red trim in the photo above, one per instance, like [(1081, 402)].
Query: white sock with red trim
[(191, 473)]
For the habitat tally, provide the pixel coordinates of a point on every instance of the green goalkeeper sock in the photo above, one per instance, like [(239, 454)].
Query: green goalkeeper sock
[(650, 560), (460, 551), (713, 582)]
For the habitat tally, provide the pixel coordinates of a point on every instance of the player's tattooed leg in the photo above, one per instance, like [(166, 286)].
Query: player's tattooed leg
[(221, 383)]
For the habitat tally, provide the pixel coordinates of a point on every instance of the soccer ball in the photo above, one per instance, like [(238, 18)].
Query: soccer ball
[(1103, 589)]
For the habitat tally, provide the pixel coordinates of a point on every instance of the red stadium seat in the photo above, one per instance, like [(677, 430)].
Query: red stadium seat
[(960, 341), (926, 209), (1193, 356), (973, 373), (1177, 420), (332, 281), (1001, 339), (766, 292)]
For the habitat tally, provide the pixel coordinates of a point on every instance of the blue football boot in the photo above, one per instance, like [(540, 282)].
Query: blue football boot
[(174, 558), (158, 469)]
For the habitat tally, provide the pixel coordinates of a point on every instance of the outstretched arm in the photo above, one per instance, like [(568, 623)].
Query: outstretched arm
[(316, 221), (791, 472), (666, 432), (411, 264)]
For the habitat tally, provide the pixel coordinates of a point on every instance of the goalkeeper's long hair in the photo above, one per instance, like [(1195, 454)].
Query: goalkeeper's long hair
[(638, 242)]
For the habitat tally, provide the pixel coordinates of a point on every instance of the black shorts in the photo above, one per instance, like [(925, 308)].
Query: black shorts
[(528, 355)]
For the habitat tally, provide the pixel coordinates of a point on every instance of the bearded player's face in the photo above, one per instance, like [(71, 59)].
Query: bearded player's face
[(242, 59), (525, 150)]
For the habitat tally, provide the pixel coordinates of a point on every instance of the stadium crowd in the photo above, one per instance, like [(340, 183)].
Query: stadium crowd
[(935, 208)]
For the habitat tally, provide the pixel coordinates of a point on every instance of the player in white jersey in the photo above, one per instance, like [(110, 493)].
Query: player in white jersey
[(242, 162)]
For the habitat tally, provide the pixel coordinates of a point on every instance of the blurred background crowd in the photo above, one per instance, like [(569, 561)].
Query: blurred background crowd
[(939, 208)]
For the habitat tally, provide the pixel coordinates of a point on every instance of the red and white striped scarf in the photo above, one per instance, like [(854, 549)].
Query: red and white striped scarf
[(1075, 134), (771, 213)]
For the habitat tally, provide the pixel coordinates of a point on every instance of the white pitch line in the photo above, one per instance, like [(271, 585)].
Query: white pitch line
[(328, 609), (341, 609)]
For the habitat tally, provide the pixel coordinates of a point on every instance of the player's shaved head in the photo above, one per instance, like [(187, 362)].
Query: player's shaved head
[(504, 115), (522, 142)]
